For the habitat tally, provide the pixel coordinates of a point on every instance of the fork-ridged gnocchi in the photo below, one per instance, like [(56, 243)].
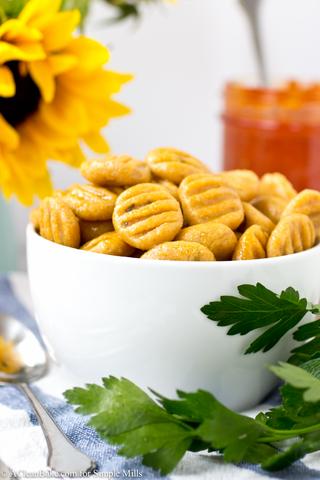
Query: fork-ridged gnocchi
[(58, 223), (252, 244), (271, 206), (180, 251), (173, 165), (253, 216), (116, 171), (244, 182), (217, 237), (294, 233), (91, 230), (109, 244), (172, 207), (308, 203), (203, 199), (278, 185), (91, 203), (146, 215)]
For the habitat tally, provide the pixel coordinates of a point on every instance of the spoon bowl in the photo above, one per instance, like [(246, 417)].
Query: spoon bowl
[(33, 360), (29, 362)]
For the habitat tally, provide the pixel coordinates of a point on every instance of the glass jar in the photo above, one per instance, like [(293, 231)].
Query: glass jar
[(274, 130)]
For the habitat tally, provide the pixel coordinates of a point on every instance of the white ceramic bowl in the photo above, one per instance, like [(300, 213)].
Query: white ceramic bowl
[(103, 315)]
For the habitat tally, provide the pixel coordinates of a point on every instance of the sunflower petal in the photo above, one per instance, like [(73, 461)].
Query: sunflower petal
[(28, 175), (4, 170), (37, 8), (17, 31), (91, 54), (66, 115), (42, 75), (96, 142), (72, 156), (26, 52), (60, 63), (100, 113), (116, 109), (7, 83), (43, 136), (103, 83), (8, 135), (58, 33)]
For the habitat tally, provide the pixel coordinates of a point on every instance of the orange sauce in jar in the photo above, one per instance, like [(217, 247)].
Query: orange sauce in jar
[(274, 130)]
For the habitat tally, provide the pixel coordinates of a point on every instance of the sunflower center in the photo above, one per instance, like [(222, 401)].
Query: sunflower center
[(26, 100)]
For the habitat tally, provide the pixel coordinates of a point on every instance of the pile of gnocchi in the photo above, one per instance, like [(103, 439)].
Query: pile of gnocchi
[(172, 207)]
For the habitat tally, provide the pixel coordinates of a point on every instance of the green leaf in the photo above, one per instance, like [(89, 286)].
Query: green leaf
[(191, 407), (219, 426), (258, 308), (313, 367), (125, 415), (294, 412), (279, 418), (305, 352), (303, 378), (259, 453), (305, 332), (11, 8), (283, 459), (230, 432)]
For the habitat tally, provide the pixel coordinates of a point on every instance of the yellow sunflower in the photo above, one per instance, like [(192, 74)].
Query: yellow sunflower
[(55, 96)]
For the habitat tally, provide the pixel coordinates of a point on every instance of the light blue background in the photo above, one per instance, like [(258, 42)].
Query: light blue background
[(7, 239)]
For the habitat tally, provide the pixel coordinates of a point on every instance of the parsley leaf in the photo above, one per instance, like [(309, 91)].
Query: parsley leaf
[(162, 432), (231, 433), (307, 378), (283, 459), (295, 411), (309, 333), (190, 407), (258, 308), (125, 415)]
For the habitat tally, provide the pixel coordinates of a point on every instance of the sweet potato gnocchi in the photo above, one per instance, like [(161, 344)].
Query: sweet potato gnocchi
[(180, 251), (171, 207), (173, 165), (204, 198), (252, 244), (58, 223), (146, 215), (217, 237), (294, 233)]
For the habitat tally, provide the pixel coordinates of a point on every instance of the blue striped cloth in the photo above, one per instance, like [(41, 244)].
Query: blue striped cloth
[(105, 455)]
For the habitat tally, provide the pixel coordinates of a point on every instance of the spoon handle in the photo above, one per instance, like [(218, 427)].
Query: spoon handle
[(63, 456), (6, 472), (252, 8)]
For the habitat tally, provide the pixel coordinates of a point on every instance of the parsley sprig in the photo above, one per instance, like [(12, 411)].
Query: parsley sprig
[(258, 307), (161, 430)]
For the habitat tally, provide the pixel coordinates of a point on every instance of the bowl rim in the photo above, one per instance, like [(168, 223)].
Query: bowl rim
[(32, 234)]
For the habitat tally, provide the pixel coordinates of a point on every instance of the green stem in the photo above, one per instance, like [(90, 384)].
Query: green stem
[(279, 435)]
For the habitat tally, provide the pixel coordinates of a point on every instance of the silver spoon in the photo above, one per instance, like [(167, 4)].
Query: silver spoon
[(251, 8), (33, 364)]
